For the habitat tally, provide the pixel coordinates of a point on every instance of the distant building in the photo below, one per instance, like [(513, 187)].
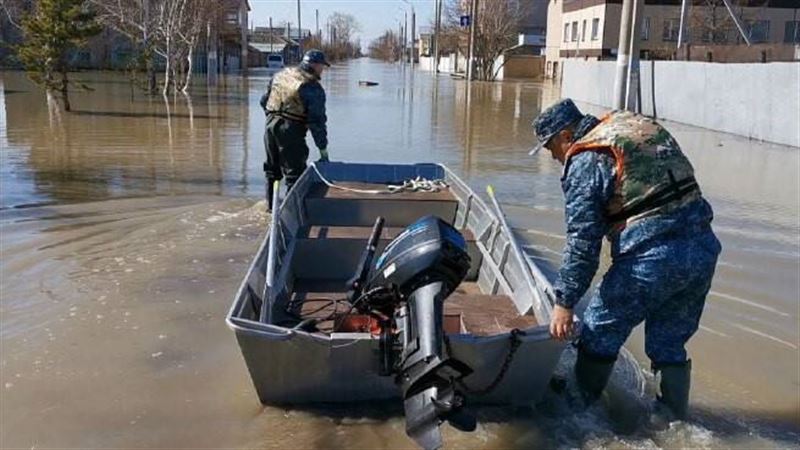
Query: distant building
[(231, 37), (290, 40), (533, 23), (589, 29)]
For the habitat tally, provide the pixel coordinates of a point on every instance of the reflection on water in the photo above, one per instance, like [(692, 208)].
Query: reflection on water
[(111, 305)]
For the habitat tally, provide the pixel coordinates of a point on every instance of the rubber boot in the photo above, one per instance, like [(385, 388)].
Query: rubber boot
[(592, 374), (675, 384), (270, 193)]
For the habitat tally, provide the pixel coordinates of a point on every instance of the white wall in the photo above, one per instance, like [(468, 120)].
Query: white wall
[(759, 101)]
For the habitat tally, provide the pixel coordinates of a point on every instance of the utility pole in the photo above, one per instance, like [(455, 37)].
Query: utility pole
[(682, 29), (288, 32), (623, 58), (271, 37), (405, 35), (473, 23), (299, 30), (318, 35), (243, 38), (632, 95), (412, 52), (437, 26), (413, 36), (400, 43)]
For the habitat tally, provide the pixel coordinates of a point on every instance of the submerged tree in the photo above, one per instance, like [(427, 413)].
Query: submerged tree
[(52, 31)]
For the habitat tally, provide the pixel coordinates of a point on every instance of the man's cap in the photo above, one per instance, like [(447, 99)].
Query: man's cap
[(315, 57), (552, 120)]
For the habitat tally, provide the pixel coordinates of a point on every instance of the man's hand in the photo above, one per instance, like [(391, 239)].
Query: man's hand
[(561, 323), (323, 155)]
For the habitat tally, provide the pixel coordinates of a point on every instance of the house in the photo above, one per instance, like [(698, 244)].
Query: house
[(589, 29), (293, 40), (263, 42), (231, 37), (533, 24)]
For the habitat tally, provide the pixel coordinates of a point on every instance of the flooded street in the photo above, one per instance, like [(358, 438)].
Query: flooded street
[(127, 226)]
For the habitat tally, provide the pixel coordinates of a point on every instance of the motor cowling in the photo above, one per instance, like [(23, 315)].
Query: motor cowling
[(411, 279)]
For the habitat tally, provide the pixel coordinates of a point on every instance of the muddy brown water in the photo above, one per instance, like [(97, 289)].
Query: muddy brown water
[(128, 224)]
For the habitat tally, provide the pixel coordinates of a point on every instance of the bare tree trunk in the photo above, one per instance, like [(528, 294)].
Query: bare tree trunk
[(167, 76), (53, 109), (65, 90), (189, 60)]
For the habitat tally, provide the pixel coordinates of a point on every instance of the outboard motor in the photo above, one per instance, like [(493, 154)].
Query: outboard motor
[(405, 292)]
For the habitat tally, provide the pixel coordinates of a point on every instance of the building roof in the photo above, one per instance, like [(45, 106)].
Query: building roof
[(281, 31), (267, 48)]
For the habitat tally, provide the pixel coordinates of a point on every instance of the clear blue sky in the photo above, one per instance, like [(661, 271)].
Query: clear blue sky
[(375, 16)]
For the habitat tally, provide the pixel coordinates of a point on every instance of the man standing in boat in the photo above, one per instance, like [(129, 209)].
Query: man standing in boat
[(626, 178), (294, 103)]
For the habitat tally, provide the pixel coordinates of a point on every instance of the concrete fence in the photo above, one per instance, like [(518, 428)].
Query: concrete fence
[(759, 101)]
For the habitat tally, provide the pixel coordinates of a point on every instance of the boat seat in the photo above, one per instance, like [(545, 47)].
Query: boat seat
[(333, 252), (330, 206)]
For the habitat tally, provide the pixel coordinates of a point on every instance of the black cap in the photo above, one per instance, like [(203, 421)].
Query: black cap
[(315, 57), (554, 119)]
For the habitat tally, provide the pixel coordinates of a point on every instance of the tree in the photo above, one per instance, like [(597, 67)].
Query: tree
[(710, 22), (386, 47), (52, 31), (496, 31), (343, 27), (14, 10), (132, 19), (170, 29)]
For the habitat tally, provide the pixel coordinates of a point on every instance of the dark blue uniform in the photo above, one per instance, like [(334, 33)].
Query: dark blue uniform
[(661, 271)]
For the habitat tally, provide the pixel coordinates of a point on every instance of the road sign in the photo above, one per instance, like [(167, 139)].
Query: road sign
[(465, 21)]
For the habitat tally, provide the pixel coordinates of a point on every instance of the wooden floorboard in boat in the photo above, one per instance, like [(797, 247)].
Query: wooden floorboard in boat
[(481, 314), (339, 232), (323, 191)]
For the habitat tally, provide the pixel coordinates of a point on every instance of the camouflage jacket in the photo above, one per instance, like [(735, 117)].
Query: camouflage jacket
[(297, 95), (590, 185)]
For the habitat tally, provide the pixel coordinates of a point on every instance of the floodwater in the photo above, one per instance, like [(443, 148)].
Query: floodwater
[(127, 225)]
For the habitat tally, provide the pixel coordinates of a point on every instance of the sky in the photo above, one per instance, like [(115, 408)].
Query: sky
[(375, 16)]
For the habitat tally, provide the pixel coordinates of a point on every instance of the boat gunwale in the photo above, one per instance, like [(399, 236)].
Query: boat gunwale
[(254, 328)]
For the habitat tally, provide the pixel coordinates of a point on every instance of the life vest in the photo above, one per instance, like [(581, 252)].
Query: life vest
[(284, 98), (653, 176)]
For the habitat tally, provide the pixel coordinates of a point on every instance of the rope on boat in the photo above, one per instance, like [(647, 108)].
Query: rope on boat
[(418, 184)]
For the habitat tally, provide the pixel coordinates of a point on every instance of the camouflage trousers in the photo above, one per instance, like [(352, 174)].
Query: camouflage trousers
[(663, 285)]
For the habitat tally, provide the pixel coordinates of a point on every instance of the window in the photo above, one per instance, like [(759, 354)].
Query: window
[(645, 29), (595, 29), (574, 31), (671, 27), (583, 31), (566, 32), (791, 34), (232, 18), (758, 30)]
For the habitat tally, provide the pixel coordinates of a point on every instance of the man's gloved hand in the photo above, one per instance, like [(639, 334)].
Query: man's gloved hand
[(323, 155)]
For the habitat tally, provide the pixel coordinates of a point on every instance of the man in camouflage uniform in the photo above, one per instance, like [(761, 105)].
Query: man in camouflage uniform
[(626, 178), (294, 103)]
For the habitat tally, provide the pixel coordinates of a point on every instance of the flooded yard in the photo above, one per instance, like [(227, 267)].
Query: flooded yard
[(127, 226)]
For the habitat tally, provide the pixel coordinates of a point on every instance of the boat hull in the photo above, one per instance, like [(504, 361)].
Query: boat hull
[(296, 367)]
